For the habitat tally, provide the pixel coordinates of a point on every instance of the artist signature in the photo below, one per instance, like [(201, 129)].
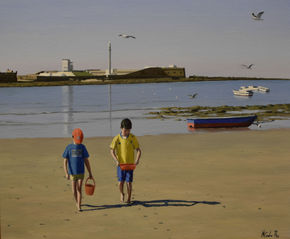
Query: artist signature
[(270, 234)]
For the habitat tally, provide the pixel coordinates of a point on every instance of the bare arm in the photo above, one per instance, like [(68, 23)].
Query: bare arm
[(65, 168), (87, 163), (138, 156), (114, 157)]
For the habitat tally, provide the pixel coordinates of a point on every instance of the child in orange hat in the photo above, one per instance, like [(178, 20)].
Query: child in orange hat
[(76, 157)]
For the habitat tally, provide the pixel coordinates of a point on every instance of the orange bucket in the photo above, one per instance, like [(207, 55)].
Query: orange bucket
[(125, 166), (90, 188)]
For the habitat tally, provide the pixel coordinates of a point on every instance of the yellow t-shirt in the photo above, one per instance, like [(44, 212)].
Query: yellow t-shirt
[(125, 148)]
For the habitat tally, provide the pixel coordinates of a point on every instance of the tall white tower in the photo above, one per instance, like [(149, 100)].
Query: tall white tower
[(66, 65), (110, 63)]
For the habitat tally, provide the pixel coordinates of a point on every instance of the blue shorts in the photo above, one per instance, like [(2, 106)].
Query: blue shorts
[(124, 175)]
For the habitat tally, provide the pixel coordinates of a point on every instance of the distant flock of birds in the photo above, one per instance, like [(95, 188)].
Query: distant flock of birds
[(255, 16)]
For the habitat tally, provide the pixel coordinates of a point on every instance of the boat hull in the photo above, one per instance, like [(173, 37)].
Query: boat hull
[(226, 122)]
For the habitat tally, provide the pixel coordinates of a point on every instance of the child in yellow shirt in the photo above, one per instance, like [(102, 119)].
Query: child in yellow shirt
[(123, 147)]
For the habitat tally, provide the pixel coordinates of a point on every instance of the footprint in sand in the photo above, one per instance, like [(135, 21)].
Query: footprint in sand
[(41, 224), (160, 223), (67, 220), (145, 216)]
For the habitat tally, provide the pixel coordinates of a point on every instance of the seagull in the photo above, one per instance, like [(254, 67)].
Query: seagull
[(126, 36), (259, 123), (258, 16), (193, 96), (248, 66)]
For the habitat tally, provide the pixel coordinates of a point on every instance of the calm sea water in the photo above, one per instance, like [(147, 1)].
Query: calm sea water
[(55, 111)]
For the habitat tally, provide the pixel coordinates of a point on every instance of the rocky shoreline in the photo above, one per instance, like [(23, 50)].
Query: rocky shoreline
[(265, 113)]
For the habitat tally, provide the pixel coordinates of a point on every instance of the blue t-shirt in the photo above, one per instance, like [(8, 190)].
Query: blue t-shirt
[(76, 154)]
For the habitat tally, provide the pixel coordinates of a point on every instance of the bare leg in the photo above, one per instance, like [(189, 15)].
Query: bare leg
[(129, 190), (79, 193), (74, 190), (121, 187)]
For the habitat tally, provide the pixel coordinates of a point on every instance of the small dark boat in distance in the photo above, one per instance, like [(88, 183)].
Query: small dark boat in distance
[(221, 122)]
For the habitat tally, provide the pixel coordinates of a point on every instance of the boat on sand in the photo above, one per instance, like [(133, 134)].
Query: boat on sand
[(221, 122)]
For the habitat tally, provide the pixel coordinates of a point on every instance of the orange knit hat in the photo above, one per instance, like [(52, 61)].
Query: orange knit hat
[(78, 136)]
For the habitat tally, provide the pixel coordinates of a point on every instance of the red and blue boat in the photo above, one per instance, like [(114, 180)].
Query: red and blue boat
[(221, 122)]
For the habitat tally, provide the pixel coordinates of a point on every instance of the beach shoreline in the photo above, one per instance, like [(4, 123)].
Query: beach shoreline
[(222, 184)]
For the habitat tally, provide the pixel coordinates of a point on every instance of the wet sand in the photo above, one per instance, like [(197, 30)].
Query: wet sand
[(202, 185)]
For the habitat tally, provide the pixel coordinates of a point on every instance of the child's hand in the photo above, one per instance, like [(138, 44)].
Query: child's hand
[(117, 163), (66, 176)]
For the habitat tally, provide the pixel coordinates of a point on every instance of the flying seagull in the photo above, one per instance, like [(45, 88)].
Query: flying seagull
[(193, 96), (126, 36), (258, 16), (248, 66)]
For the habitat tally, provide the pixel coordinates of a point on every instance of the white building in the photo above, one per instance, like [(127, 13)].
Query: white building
[(66, 65), (56, 73)]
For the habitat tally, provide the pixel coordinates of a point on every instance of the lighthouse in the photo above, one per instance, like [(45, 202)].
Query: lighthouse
[(110, 49)]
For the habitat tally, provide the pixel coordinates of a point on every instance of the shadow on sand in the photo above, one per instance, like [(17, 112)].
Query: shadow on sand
[(153, 203)]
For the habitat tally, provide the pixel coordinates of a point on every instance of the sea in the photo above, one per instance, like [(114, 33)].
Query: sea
[(41, 112)]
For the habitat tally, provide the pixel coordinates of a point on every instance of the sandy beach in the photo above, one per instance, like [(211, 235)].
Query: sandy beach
[(233, 184)]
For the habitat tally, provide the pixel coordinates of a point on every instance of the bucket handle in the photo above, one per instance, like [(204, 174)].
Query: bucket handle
[(91, 179)]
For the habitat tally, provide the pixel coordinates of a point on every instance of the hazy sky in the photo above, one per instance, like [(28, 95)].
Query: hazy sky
[(207, 37)]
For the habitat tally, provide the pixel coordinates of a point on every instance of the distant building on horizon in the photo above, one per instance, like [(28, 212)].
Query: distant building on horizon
[(67, 73), (66, 65), (8, 76)]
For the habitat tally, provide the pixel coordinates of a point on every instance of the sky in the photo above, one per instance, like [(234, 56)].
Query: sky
[(207, 37)]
